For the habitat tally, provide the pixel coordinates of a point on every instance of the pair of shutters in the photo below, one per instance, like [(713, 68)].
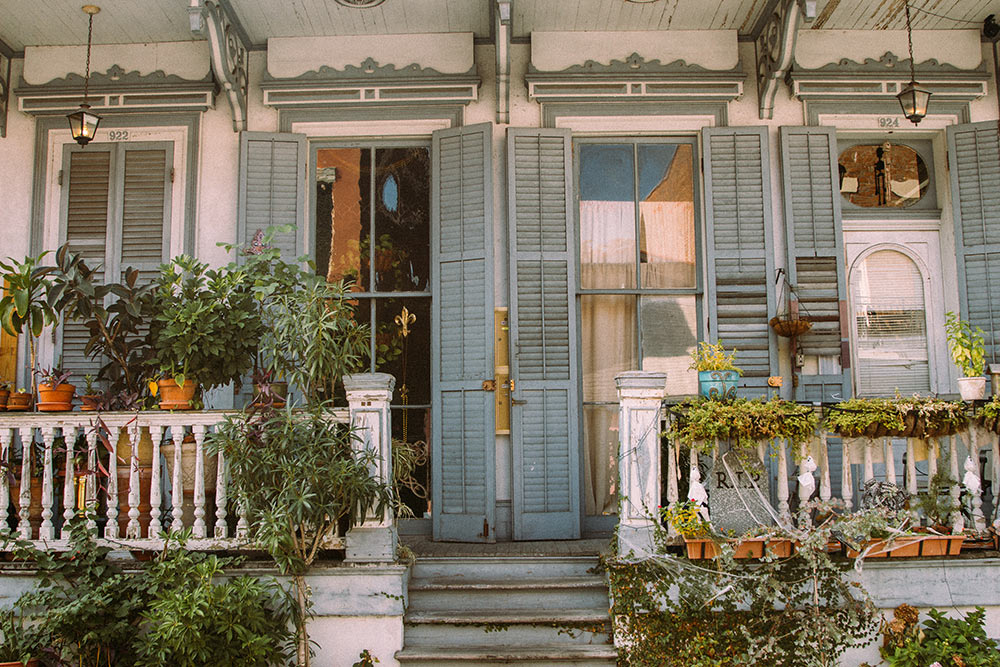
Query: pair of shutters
[(742, 280), (542, 320), (117, 215)]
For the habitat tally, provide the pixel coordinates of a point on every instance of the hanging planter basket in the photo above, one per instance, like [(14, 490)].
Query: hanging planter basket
[(788, 327)]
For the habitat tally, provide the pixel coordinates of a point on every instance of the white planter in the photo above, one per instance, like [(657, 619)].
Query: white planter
[(972, 389)]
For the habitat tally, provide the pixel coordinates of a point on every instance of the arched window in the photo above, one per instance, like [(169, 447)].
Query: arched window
[(887, 299)]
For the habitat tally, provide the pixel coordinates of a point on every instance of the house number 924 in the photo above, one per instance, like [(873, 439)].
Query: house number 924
[(888, 121), (118, 135)]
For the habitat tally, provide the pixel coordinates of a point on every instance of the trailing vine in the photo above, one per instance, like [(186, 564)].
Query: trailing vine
[(743, 422), (903, 417)]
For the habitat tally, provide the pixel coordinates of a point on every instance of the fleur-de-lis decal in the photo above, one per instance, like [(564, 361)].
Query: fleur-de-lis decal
[(404, 320)]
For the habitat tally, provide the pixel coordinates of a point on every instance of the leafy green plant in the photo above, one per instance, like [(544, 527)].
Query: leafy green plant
[(19, 640), (297, 476), (314, 339), (24, 305), (366, 659), (115, 314), (941, 640), (713, 357), (966, 344), (53, 377), (743, 422), (204, 325), (797, 611), (913, 416), (685, 519), (194, 619), (937, 503)]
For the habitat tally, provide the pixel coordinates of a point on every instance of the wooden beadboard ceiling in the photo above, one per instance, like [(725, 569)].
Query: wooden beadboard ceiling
[(52, 22)]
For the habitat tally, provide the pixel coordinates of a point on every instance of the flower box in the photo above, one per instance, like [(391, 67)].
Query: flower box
[(913, 546), (754, 547)]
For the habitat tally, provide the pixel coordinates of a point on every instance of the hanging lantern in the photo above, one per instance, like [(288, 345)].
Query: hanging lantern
[(83, 122), (914, 100)]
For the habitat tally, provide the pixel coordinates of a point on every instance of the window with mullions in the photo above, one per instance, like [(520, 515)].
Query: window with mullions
[(373, 228), (639, 296)]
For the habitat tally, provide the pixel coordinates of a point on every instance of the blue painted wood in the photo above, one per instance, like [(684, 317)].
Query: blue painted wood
[(545, 413), (463, 472), (815, 260), (974, 149), (272, 189), (739, 251)]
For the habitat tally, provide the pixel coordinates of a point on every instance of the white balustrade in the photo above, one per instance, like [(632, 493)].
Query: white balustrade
[(69, 448)]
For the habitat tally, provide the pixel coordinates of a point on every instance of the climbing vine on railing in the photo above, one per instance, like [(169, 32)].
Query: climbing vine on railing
[(743, 422)]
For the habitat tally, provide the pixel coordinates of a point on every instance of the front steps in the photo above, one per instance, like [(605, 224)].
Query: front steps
[(545, 611)]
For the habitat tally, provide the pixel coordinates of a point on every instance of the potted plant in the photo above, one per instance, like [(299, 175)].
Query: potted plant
[(55, 394), (203, 329), (4, 394), (717, 374), (115, 315), (968, 351), (24, 305), (19, 401), (20, 642), (91, 397)]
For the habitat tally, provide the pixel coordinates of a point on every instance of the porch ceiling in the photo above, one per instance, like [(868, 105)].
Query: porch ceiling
[(60, 22)]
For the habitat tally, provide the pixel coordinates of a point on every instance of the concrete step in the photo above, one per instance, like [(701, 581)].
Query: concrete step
[(506, 627), (552, 655), (503, 567), (461, 593)]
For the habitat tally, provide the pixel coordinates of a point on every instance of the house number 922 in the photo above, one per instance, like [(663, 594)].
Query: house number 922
[(888, 121), (118, 135)]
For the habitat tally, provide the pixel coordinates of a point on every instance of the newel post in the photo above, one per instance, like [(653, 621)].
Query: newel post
[(640, 394), (368, 397)]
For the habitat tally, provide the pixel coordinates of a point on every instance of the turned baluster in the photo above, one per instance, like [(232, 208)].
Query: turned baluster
[(6, 440), (24, 515), (69, 482), (673, 494), (155, 492), (869, 468), (133, 530), (91, 491), (199, 529), (111, 527), (974, 486), (911, 479), (48, 530), (176, 483), (784, 509), (242, 526), (846, 490), (995, 489), (957, 521), (805, 490), (890, 460), (825, 487), (221, 498)]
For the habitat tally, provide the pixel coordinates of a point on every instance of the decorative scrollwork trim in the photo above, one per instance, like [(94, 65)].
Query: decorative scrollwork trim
[(230, 56)]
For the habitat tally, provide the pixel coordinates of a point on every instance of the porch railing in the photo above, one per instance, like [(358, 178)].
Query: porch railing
[(642, 419), (157, 476)]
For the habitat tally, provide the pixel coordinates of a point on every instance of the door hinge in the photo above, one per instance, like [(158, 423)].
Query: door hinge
[(486, 529)]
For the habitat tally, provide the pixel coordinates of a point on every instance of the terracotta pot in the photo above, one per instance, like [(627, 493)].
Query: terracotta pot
[(188, 463), (699, 549), (914, 547), (55, 399), (89, 402), (18, 401), (173, 397), (4, 394)]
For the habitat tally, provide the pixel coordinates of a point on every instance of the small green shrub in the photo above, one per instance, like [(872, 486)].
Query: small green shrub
[(959, 642)]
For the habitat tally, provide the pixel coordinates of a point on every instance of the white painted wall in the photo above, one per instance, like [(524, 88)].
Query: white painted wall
[(16, 168)]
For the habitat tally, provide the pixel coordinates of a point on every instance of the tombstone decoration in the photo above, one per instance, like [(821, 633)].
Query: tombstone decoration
[(738, 493)]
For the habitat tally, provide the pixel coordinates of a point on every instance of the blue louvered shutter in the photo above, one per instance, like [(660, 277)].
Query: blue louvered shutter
[(815, 243), (975, 179), (741, 295), (545, 414), (272, 189), (463, 460)]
